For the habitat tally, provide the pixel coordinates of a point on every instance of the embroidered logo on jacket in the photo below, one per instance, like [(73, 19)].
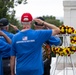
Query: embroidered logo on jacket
[(25, 40)]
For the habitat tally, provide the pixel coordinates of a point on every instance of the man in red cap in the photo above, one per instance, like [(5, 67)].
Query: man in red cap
[(27, 47)]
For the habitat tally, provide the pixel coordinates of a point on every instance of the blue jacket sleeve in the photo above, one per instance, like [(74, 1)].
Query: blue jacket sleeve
[(54, 40), (5, 48)]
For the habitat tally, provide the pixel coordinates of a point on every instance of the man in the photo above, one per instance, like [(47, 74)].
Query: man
[(47, 48), (3, 47), (4, 26), (27, 47)]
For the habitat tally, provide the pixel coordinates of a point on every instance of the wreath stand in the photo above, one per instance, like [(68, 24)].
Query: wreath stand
[(65, 61)]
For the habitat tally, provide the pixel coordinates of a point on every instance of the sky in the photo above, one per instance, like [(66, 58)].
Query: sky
[(41, 8)]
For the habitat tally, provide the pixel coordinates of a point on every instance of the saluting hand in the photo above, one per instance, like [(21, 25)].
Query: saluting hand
[(39, 21), (14, 27)]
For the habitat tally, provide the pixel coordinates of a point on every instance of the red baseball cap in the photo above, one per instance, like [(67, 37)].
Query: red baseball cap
[(26, 17)]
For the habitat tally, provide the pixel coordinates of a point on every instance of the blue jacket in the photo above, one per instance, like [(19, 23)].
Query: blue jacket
[(6, 53), (3, 48), (54, 41)]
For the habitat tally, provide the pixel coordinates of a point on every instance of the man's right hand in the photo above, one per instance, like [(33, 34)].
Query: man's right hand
[(14, 27)]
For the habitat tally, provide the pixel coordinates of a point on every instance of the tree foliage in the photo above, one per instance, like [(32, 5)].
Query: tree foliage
[(7, 7), (53, 20), (7, 10)]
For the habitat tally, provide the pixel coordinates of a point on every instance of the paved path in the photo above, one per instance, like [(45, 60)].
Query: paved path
[(60, 70)]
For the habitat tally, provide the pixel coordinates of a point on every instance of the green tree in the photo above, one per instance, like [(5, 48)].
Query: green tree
[(7, 7), (16, 23), (53, 20), (7, 10)]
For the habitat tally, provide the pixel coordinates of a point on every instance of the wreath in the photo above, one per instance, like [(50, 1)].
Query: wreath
[(47, 50), (64, 51), (73, 39)]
